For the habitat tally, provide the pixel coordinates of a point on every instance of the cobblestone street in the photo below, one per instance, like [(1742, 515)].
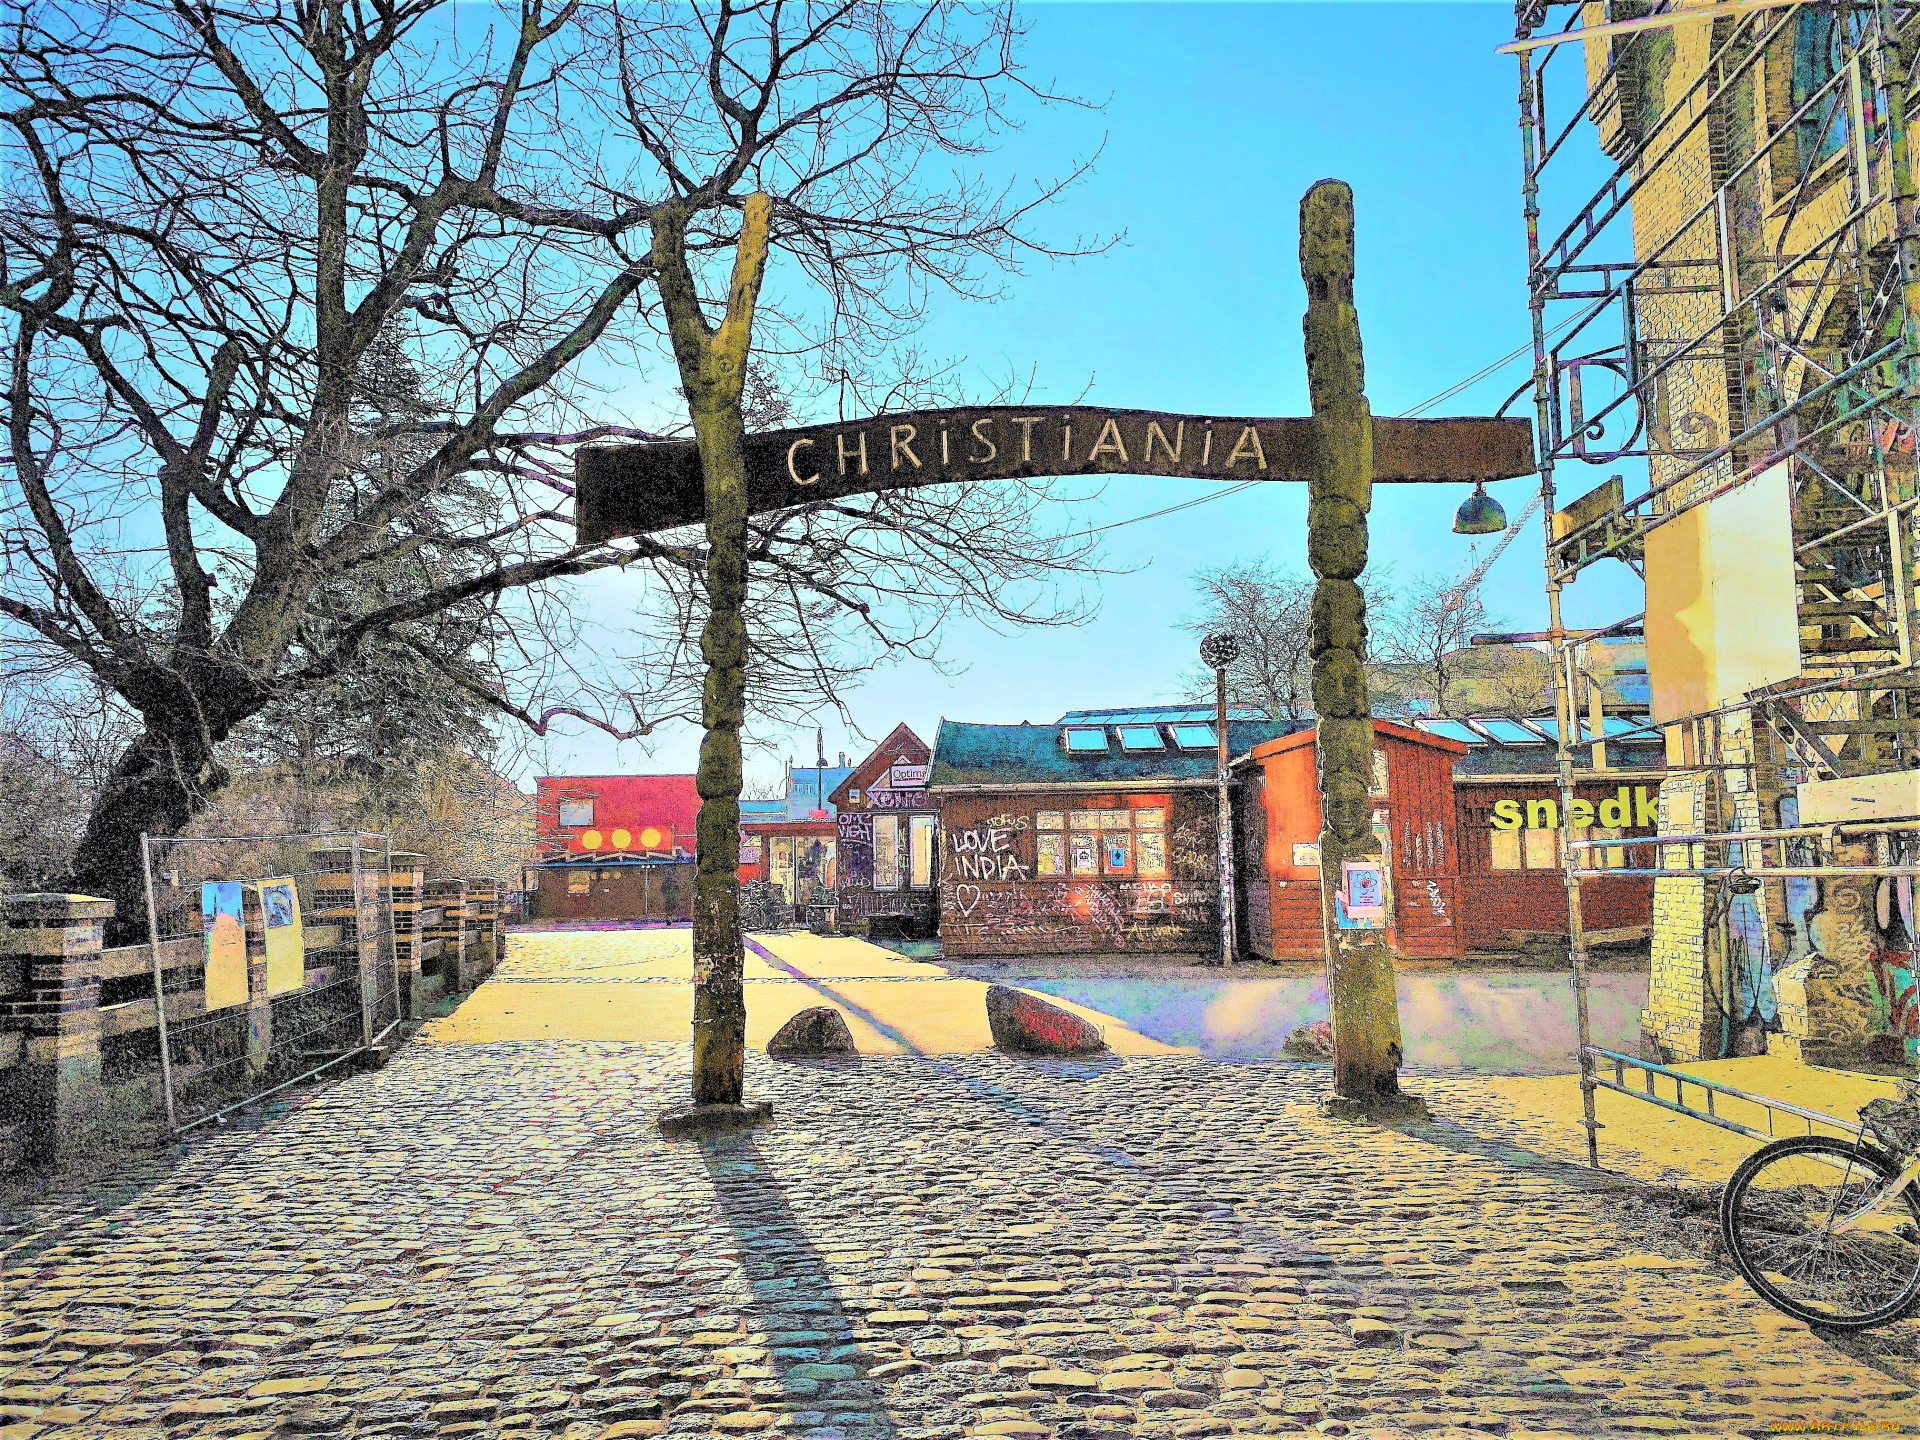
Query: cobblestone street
[(490, 1239)]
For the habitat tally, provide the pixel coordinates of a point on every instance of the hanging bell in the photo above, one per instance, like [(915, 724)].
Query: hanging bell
[(1479, 514)]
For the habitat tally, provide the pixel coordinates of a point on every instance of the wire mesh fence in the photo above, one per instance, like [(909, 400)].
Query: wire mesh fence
[(273, 958)]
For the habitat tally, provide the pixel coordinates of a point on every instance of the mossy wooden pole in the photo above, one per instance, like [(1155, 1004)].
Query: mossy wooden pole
[(1360, 975), (713, 367)]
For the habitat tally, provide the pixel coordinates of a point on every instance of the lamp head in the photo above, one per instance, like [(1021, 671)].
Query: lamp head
[(1220, 649), (1479, 514)]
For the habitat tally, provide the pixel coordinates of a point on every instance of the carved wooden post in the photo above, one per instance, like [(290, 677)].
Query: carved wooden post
[(1360, 975), (713, 364)]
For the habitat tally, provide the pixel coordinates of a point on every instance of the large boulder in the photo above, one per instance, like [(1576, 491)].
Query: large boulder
[(1028, 1025), (1311, 1042), (821, 1030)]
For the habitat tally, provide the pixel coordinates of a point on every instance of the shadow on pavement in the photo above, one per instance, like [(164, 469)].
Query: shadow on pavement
[(793, 1298)]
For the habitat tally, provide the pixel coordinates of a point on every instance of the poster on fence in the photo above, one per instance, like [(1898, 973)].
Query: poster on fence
[(226, 933), (286, 949)]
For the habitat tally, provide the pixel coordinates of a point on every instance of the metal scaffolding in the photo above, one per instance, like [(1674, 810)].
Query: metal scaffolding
[(1738, 291)]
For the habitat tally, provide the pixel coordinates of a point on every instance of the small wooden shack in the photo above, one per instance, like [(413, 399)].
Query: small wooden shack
[(1278, 820), (1091, 836)]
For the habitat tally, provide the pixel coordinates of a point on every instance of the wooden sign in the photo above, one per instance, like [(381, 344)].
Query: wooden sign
[(638, 489)]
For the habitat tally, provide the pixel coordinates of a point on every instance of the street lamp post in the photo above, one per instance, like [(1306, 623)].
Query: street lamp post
[(1220, 650)]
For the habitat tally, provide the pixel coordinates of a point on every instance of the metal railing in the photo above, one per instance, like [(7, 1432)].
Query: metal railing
[(1710, 1089)]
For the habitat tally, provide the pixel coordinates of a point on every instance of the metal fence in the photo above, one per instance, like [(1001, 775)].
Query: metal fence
[(320, 977)]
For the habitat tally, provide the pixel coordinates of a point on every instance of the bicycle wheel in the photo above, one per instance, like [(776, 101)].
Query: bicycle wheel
[(1781, 1215)]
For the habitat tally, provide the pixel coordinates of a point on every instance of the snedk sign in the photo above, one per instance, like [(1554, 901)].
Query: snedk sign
[(1628, 809)]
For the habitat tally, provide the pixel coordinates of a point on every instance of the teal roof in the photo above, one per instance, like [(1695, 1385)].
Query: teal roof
[(1154, 714), (1036, 755)]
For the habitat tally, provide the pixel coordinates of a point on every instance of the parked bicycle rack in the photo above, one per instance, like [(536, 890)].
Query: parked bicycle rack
[(1622, 1063)]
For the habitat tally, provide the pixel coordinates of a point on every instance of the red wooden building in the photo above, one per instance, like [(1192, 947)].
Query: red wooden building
[(1278, 821), (1510, 876)]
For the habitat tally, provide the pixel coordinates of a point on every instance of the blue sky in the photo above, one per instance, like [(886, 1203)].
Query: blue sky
[(1217, 118)]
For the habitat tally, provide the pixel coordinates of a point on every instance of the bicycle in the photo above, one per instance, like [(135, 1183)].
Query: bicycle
[(1827, 1229)]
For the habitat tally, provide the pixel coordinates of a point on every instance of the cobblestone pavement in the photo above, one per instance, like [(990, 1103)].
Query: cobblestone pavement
[(490, 1240)]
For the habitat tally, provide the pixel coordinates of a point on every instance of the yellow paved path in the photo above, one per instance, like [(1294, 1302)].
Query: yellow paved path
[(637, 986)]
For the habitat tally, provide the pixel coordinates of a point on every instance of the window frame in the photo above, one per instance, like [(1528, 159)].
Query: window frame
[(917, 826), (573, 807)]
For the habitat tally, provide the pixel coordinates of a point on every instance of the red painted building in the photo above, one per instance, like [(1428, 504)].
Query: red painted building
[(614, 847), (606, 816), (1511, 879), (1278, 825)]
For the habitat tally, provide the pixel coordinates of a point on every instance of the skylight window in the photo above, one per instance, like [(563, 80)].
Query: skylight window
[(1195, 737), (1086, 740), (1141, 737), (1509, 732), (1453, 730)]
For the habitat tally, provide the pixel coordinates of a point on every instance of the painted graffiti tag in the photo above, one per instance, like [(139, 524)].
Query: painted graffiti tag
[(985, 853)]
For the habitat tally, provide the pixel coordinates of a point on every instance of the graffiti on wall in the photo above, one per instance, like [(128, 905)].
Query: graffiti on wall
[(1084, 916), (985, 852), (855, 829)]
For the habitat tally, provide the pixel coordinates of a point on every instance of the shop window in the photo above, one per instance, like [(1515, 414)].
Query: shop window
[(575, 813), (1150, 854), (920, 829), (1050, 820), (1084, 849), (1150, 842), (1117, 851)]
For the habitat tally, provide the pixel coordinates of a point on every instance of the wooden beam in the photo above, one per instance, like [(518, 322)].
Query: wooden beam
[(640, 489)]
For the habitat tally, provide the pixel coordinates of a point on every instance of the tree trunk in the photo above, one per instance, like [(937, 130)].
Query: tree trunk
[(1360, 974), (713, 366), (719, 1000), (156, 786)]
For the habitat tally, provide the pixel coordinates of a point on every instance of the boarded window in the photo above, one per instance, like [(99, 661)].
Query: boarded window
[(920, 847), (1117, 846), (886, 852), (1542, 849), (1505, 845), (1050, 820)]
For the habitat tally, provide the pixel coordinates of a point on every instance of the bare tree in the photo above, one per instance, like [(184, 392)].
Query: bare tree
[(1270, 609), (1432, 666), (808, 129), (213, 214)]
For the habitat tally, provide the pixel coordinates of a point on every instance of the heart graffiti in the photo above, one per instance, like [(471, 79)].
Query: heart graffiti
[(965, 898)]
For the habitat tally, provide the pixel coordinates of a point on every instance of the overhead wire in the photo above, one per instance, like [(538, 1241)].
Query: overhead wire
[(1493, 367)]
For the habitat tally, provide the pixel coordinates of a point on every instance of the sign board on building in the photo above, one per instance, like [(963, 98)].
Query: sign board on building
[(907, 777)]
